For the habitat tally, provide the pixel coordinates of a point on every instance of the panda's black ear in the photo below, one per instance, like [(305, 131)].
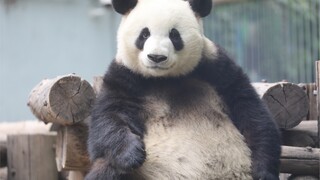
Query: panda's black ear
[(123, 6), (201, 7)]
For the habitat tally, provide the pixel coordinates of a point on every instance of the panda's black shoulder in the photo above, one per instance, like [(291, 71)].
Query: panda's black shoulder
[(221, 71), (120, 79)]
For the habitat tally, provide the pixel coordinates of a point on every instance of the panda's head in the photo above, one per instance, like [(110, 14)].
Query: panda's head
[(161, 37)]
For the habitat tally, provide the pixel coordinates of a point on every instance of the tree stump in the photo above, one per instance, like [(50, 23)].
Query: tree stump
[(287, 102), (64, 100)]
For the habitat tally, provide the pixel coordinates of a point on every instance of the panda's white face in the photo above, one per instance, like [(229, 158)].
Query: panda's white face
[(160, 38)]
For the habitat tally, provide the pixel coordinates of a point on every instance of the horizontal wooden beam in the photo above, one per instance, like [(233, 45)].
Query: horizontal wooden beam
[(300, 161)]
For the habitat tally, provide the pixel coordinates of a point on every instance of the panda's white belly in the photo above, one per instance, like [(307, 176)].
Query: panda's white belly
[(197, 141)]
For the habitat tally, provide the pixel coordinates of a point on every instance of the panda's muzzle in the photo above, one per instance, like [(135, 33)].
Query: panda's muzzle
[(157, 58)]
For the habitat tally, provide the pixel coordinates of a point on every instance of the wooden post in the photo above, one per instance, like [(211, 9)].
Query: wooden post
[(71, 151), (31, 157), (287, 102), (64, 100)]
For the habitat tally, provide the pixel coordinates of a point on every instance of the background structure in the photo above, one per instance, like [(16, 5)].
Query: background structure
[(270, 39)]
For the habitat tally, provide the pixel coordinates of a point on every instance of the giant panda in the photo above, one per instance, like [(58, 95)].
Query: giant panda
[(174, 106)]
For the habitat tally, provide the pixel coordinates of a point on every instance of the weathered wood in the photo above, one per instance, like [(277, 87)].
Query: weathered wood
[(287, 102), (300, 161), (64, 100), (31, 157), (303, 135), (71, 151)]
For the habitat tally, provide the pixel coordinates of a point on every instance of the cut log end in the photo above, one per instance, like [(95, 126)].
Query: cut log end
[(287, 102), (64, 100)]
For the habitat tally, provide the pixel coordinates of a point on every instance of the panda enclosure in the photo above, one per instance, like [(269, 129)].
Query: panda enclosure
[(296, 106)]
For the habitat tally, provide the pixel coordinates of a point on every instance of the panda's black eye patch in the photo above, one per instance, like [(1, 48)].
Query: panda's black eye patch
[(143, 36), (176, 39)]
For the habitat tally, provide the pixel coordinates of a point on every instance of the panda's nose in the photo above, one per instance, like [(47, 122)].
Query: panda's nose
[(157, 58)]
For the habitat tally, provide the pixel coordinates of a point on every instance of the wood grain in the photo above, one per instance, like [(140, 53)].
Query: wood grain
[(287, 102), (64, 100)]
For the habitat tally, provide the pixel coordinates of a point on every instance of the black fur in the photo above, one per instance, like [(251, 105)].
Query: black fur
[(142, 38), (201, 7), (124, 6), (176, 39), (117, 127), (247, 112)]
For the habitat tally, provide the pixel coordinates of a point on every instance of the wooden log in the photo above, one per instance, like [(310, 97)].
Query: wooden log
[(64, 100), (71, 151), (287, 102), (303, 135), (300, 161), (31, 157)]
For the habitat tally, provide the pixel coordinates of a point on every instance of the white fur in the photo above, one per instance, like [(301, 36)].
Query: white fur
[(197, 142), (160, 16)]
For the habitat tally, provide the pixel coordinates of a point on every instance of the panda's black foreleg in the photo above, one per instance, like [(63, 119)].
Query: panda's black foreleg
[(247, 112), (115, 141), (114, 149), (255, 123)]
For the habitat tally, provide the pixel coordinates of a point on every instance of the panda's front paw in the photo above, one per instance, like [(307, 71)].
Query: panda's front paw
[(264, 175), (132, 155)]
